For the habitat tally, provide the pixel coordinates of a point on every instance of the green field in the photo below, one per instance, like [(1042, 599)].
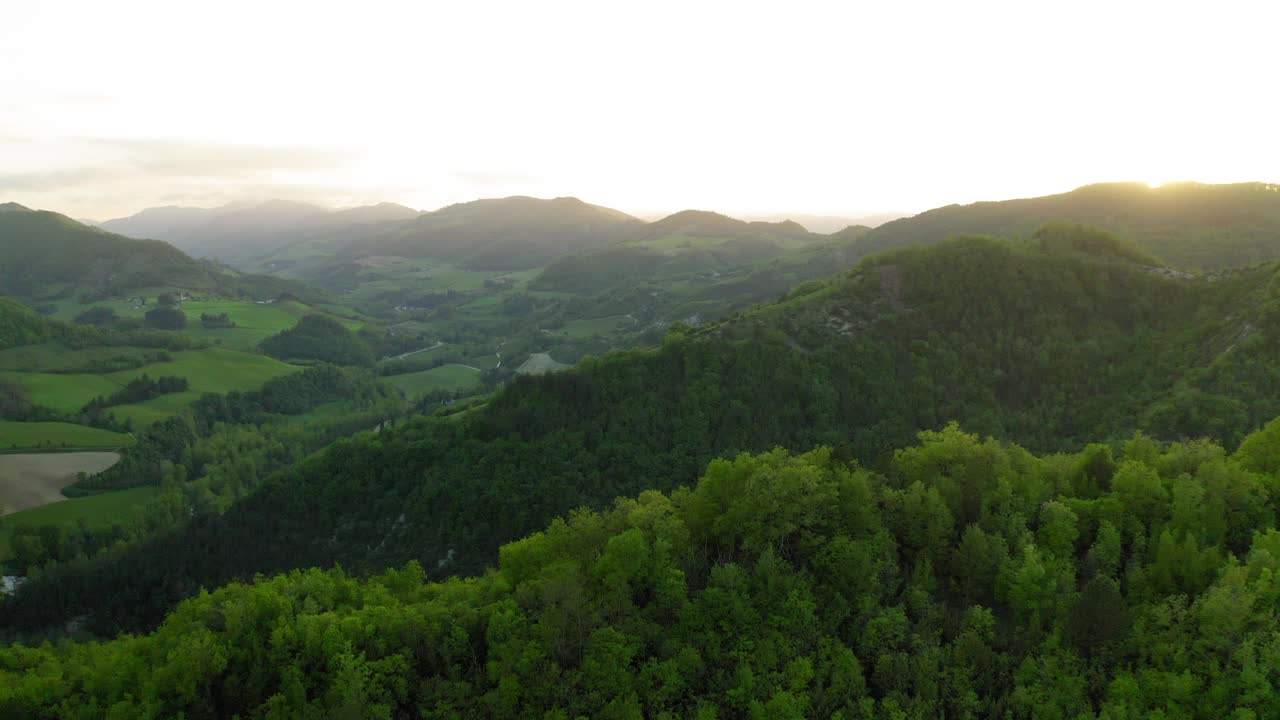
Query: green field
[(95, 510), (255, 321), (64, 393), (34, 435), (213, 370), (57, 357), (445, 377), (216, 370)]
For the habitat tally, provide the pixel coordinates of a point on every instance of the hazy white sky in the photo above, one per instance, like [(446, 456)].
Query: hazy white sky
[(743, 107)]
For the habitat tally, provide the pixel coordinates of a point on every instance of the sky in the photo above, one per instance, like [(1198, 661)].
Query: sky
[(840, 108)]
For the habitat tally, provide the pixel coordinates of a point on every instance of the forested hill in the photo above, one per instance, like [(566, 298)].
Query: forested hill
[(686, 254), (19, 325), (40, 251), (1051, 343), (964, 579), (503, 233), (44, 255), (1188, 225)]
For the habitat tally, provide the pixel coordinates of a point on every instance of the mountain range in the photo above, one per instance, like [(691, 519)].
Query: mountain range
[(996, 462), (1188, 225), (242, 230)]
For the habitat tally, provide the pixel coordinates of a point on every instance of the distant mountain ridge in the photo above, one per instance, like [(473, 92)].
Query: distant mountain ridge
[(509, 233), (47, 255), (233, 232), (1188, 225), (827, 224)]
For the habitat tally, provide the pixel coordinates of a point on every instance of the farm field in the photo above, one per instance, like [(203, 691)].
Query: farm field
[(31, 435), (95, 510), (64, 393), (215, 370), (445, 377), (254, 321), (34, 479), (58, 357)]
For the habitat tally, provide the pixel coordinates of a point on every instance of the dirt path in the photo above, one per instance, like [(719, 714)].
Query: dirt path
[(35, 479), (402, 356)]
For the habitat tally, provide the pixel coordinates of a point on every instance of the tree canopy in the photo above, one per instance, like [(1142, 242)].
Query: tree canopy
[(966, 578), (318, 337)]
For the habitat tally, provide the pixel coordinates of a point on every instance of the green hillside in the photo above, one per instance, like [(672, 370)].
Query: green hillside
[(1038, 345), (19, 325), (1187, 225), (961, 578), (43, 253), (54, 262), (688, 244), (502, 234), (600, 279)]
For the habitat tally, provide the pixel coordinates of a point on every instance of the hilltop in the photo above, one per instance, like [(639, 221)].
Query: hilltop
[(694, 249), (1188, 225), (510, 233)]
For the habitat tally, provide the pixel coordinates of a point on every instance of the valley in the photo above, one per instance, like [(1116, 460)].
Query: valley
[(577, 433), (661, 361)]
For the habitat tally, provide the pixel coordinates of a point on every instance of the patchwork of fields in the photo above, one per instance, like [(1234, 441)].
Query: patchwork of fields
[(255, 321), (215, 370)]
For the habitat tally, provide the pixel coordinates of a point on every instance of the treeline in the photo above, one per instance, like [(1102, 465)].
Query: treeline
[(16, 404), (963, 578), (137, 390), (35, 546), (20, 326), (216, 320), (210, 475), (1045, 350)]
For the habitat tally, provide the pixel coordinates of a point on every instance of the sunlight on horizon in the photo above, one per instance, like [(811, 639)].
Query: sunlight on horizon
[(737, 108)]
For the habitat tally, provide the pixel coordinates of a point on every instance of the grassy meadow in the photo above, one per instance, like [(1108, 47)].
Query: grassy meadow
[(95, 510), (215, 370), (36, 435), (445, 377)]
